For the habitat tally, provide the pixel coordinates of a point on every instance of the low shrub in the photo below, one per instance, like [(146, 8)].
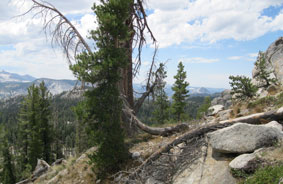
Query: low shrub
[(266, 175)]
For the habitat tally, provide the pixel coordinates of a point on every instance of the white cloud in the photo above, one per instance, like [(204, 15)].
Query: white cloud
[(234, 58), (74, 6), (86, 24), (253, 55), (210, 21), (167, 4), (31, 52), (37, 59), (247, 57), (198, 60)]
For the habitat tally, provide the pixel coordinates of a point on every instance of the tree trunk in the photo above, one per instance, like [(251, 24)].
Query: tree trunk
[(152, 130)]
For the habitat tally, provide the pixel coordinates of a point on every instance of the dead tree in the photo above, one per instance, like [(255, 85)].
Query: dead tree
[(65, 34)]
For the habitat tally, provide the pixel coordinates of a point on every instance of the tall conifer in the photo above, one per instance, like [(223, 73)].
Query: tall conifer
[(103, 105), (8, 171), (161, 110), (34, 129), (180, 92)]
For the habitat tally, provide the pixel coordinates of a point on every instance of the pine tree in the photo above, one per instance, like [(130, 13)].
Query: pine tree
[(161, 104), (7, 171), (45, 127), (8, 176), (81, 142), (263, 74), (35, 141), (242, 87), (34, 129), (180, 93), (103, 105), (202, 110)]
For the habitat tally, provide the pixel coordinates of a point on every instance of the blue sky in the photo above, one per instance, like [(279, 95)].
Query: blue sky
[(213, 38)]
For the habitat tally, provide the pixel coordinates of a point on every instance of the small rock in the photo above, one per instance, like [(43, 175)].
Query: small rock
[(243, 112), (224, 115), (58, 162), (215, 109), (244, 162), (280, 111), (41, 168), (262, 93), (152, 181), (136, 155)]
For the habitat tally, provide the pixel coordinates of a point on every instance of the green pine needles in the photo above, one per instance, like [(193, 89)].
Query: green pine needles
[(161, 103), (180, 93), (34, 129), (102, 105), (242, 87), (263, 74), (7, 170)]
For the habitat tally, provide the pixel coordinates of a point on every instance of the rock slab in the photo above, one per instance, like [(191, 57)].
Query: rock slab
[(244, 138)]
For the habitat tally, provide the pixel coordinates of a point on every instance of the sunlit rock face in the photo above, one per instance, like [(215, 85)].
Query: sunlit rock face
[(274, 63)]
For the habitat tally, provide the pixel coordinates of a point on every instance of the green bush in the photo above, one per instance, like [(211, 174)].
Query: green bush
[(266, 175), (242, 87), (279, 101)]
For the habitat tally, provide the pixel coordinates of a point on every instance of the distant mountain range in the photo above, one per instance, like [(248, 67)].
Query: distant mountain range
[(12, 77), (193, 91), (12, 84)]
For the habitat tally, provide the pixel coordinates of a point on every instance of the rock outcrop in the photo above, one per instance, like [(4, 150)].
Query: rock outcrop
[(224, 99), (274, 63), (207, 170), (243, 138)]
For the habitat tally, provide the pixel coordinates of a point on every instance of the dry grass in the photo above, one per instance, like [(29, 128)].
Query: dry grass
[(273, 101), (75, 170), (275, 154)]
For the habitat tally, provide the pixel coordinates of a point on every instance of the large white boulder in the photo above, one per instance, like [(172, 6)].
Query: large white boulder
[(244, 138)]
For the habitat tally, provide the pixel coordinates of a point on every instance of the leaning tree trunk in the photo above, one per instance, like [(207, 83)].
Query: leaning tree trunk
[(68, 37)]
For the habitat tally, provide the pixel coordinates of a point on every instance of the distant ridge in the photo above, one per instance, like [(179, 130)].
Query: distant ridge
[(12, 84), (13, 77), (193, 91)]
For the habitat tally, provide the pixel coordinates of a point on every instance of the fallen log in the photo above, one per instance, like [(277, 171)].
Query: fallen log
[(154, 130), (201, 131), (258, 117)]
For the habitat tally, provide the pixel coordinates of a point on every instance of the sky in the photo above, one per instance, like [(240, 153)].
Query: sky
[(213, 38)]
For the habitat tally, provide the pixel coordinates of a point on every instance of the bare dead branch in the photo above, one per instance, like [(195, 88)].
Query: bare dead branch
[(62, 31), (128, 112), (140, 25)]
